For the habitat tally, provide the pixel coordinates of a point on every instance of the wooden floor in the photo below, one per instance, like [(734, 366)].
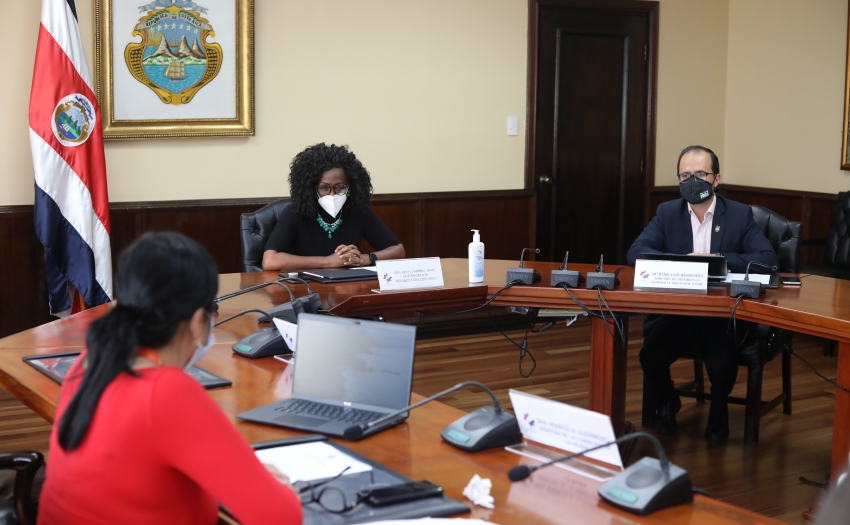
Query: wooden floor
[(761, 477)]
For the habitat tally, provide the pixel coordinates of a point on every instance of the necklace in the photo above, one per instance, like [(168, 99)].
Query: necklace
[(330, 228)]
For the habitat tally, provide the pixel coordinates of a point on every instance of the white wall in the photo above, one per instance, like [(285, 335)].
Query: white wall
[(421, 90), (785, 94), (691, 81)]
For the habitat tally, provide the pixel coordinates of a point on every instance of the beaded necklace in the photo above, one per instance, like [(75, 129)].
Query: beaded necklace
[(330, 228)]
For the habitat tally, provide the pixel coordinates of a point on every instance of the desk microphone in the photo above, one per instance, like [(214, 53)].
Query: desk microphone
[(311, 302), (262, 343), (601, 280), (748, 288), (646, 486), (486, 427), (569, 278), (288, 311), (527, 276)]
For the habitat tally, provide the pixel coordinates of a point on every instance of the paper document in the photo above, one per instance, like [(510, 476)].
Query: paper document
[(758, 277), (311, 461)]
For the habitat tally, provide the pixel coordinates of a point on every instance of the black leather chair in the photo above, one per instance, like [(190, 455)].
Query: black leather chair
[(762, 344), (20, 510), (255, 229), (836, 261)]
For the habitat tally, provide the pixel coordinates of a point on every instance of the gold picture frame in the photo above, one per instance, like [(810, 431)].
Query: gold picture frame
[(143, 86), (845, 136)]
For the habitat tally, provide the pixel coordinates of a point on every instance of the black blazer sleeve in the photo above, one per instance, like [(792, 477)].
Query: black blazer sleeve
[(651, 240)]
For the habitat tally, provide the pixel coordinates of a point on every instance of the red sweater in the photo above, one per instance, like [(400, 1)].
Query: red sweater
[(158, 450)]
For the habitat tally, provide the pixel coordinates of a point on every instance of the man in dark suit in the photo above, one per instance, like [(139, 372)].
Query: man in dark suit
[(700, 222)]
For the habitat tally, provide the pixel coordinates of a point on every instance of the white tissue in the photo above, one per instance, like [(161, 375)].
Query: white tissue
[(478, 492)]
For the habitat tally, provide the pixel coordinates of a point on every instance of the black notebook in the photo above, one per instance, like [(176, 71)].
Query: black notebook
[(338, 275)]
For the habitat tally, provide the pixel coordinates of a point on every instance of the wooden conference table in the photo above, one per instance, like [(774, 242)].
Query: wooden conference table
[(414, 448)]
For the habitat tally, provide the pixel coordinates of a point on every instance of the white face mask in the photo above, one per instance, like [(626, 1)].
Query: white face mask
[(204, 348), (332, 204)]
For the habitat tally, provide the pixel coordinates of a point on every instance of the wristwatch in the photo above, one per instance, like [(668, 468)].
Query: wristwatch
[(373, 258)]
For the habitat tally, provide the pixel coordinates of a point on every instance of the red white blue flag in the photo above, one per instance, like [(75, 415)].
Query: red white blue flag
[(71, 199)]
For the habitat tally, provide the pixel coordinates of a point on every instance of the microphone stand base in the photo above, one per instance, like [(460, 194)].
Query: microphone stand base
[(643, 488), (262, 343), (482, 429)]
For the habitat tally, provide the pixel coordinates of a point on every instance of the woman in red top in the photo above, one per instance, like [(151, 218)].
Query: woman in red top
[(136, 439)]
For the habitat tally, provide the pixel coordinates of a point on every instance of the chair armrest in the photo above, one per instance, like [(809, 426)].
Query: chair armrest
[(26, 464)]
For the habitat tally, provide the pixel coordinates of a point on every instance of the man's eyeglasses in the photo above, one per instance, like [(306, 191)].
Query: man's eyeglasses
[(701, 175), (329, 498), (325, 189)]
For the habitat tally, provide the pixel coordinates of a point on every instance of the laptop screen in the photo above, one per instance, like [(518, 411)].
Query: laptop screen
[(355, 361)]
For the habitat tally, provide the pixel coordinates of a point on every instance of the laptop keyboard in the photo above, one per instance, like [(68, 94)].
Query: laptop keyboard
[(332, 412)]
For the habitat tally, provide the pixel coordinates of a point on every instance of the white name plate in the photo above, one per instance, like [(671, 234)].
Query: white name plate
[(564, 426), (671, 275), (406, 274)]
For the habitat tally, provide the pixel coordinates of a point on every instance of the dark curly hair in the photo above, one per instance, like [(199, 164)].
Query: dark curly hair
[(306, 170)]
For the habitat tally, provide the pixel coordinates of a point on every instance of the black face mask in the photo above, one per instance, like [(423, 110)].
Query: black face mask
[(695, 190)]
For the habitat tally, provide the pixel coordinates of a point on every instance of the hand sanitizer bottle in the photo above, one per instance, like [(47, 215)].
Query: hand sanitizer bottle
[(476, 259)]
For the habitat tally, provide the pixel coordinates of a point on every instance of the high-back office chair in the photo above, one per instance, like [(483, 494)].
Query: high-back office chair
[(255, 229), (762, 345), (20, 510), (836, 261)]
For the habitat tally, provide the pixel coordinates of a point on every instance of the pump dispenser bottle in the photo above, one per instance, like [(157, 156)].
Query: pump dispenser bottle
[(476, 259)]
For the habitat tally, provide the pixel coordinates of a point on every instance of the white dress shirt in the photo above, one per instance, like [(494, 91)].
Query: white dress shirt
[(702, 230)]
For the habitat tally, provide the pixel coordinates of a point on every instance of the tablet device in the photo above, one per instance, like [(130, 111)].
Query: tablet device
[(56, 366)]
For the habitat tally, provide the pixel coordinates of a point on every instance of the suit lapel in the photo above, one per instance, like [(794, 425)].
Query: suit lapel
[(718, 225)]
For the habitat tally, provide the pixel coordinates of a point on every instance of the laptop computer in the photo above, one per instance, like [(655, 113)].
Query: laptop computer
[(347, 371), (716, 263)]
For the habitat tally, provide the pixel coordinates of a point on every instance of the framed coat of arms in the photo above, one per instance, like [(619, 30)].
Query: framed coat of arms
[(175, 68)]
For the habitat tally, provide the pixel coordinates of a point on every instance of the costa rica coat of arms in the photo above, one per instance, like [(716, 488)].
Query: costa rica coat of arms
[(174, 58)]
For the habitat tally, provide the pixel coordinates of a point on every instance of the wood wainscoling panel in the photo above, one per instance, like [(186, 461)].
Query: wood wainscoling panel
[(506, 224), (814, 210), (23, 288), (428, 224)]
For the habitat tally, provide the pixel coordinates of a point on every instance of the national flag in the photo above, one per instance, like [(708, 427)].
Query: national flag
[(71, 199)]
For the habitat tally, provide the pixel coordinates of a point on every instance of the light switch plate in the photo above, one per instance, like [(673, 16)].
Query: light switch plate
[(513, 126)]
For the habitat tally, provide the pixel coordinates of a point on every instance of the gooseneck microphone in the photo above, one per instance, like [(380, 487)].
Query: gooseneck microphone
[(311, 302), (646, 486), (522, 255), (772, 268), (262, 343), (746, 287), (486, 427), (244, 291), (521, 472), (522, 274), (563, 276), (240, 314), (601, 280)]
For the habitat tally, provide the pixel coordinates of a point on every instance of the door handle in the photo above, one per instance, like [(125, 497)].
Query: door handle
[(544, 179)]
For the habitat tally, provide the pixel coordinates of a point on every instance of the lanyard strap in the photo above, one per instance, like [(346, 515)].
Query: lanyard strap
[(151, 356)]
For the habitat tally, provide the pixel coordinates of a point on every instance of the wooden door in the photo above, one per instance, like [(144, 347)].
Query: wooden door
[(591, 142)]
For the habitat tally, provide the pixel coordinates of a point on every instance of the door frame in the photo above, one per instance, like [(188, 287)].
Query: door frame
[(640, 6)]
